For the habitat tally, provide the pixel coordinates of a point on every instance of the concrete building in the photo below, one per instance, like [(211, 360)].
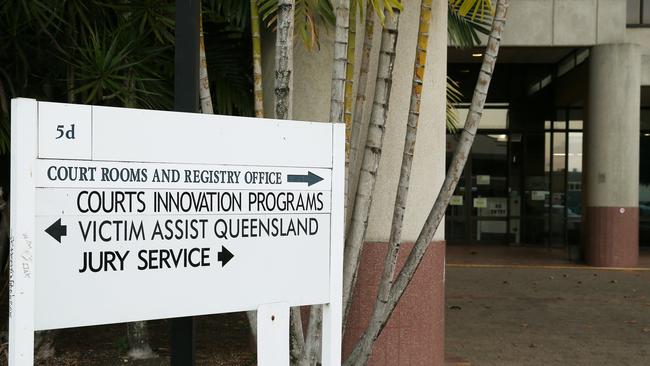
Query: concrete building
[(557, 163), (562, 142)]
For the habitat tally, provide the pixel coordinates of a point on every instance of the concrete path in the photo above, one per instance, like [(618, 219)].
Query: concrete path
[(500, 315)]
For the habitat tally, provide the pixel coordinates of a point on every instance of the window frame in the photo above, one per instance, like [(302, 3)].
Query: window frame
[(642, 23)]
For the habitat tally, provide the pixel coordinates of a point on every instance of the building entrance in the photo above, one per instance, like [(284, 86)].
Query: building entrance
[(478, 211), (644, 180), (520, 186)]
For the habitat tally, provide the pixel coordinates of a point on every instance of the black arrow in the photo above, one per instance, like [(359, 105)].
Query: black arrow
[(224, 256), (309, 178), (56, 230)]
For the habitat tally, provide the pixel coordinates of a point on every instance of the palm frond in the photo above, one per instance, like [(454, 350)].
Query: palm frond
[(386, 6), (463, 30), (454, 96), (308, 15), (235, 12), (229, 60), (148, 16), (466, 18), (473, 8), (112, 67)]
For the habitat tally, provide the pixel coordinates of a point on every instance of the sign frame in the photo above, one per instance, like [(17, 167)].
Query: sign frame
[(273, 341)]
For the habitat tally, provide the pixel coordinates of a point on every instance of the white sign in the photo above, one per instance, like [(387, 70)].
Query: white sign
[(538, 195), (122, 215), (456, 200), (480, 202), (483, 180)]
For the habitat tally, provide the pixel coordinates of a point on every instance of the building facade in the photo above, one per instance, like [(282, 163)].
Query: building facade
[(559, 159), (557, 163)]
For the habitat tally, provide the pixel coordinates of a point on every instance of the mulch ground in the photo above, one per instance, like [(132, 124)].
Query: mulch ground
[(221, 340)]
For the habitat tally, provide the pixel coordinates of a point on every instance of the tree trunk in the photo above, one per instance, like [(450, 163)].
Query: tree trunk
[(283, 90), (349, 78), (337, 109), (419, 65), (44, 345), (70, 85), (138, 337), (340, 61), (372, 155), (284, 59), (390, 261), (312, 352), (349, 90), (257, 61), (296, 336), (357, 112), (137, 332), (205, 98), (438, 210), (312, 349), (258, 105), (204, 82)]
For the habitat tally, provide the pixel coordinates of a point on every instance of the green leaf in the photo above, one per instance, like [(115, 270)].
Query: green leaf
[(454, 96), (473, 8), (229, 61), (308, 15)]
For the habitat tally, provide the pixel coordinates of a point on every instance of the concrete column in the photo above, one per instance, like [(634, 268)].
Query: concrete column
[(612, 156)]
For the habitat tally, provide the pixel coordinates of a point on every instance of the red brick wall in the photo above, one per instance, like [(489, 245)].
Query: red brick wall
[(612, 238), (414, 335)]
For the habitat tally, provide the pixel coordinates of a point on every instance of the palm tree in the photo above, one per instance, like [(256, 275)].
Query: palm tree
[(372, 154), (386, 282), (340, 62), (357, 108), (258, 93), (284, 59), (409, 144), (463, 26), (382, 312), (349, 77)]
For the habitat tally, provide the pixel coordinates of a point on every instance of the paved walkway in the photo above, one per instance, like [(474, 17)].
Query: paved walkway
[(513, 315), (508, 255)]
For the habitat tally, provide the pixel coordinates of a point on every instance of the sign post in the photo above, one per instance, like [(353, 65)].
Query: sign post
[(186, 99), (142, 215), (24, 117)]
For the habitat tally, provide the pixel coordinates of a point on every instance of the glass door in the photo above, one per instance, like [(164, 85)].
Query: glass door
[(478, 211), (489, 187), (536, 191), (557, 202), (644, 184), (574, 185), (457, 216), (552, 190)]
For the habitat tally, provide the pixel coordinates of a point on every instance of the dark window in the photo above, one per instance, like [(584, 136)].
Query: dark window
[(644, 180), (638, 12)]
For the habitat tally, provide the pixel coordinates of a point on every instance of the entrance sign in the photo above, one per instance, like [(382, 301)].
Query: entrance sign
[(123, 215)]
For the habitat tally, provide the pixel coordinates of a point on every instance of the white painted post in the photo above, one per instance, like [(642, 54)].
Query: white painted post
[(24, 120), (273, 334), (332, 312)]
